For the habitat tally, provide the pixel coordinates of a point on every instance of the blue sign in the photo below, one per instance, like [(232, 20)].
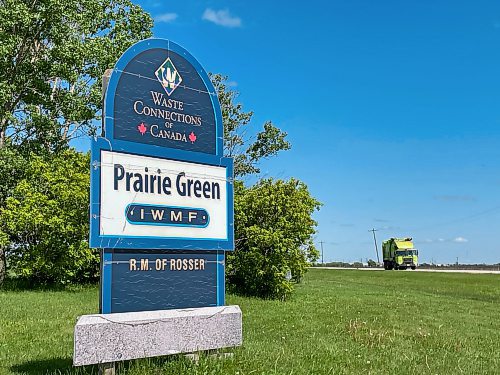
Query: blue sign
[(160, 95), (161, 188), (146, 280)]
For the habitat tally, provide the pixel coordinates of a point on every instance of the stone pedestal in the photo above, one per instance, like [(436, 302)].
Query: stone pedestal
[(107, 338)]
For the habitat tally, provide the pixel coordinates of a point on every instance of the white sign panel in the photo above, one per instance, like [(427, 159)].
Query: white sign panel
[(143, 196)]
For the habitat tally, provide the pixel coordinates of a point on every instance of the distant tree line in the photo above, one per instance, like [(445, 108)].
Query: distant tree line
[(370, 263)]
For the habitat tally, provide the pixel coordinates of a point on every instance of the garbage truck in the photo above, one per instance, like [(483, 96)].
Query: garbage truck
[(399, 254)]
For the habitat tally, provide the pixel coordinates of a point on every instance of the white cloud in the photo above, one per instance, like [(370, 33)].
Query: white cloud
[(232, 84), (442, 240), (166, 17), (221, 18)]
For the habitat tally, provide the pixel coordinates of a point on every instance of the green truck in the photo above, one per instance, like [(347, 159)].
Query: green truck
[(399, 254)]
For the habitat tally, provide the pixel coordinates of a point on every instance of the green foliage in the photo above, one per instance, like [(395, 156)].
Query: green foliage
[(46, 221), (246, 154), (273, 230), (12, 169), (52, 57), (4, 240)]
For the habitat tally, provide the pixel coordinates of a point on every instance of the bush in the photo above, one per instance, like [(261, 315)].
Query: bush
[(273, 238), (46, 221)]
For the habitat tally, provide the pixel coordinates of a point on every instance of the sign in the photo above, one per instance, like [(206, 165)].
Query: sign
[(161, 189), (157, 203), (170, 198), (157, 280), (160, 95)]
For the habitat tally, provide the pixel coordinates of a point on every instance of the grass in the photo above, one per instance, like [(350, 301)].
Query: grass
[(338, 322)]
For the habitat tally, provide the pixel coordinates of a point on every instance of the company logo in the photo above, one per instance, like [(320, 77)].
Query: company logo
[(168, 76)]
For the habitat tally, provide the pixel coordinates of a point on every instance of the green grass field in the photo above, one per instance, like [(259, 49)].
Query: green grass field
[(338, 322)]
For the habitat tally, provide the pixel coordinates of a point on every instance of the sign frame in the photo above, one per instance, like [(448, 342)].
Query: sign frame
[(133, 245), (156, 243)]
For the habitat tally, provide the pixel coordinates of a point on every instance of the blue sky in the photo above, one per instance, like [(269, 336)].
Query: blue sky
[(392, 109)]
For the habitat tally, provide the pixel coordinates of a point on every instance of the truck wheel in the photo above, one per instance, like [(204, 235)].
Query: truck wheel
[(413, 268)]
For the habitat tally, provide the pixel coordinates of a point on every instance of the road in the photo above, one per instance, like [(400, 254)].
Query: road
[(417, 270)]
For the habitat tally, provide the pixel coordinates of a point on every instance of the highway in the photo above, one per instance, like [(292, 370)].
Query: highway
[(497, 272)]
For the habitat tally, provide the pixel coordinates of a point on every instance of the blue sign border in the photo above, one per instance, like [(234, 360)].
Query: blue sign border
[(160, 243), (129, 54)]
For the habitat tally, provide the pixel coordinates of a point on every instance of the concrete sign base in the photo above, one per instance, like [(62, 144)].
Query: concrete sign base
[(106, 338)]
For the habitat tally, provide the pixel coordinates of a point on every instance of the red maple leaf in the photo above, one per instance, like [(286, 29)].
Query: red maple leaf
[(192, 137), (142, 128)]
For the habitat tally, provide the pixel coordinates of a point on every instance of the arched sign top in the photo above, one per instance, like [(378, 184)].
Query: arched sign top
[(159, 95)]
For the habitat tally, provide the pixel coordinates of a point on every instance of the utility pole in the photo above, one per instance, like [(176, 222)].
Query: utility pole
[(373, 230), (322, 259)]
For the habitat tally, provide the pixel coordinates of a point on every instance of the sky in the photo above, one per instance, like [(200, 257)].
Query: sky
[(391, 107)]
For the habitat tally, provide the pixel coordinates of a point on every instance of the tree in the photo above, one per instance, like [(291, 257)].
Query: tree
[(247, 152), (53, 54), (273, 230), (46, 221)]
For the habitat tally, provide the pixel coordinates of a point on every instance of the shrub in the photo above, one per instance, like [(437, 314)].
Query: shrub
[(46, 221), (273, 238)]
